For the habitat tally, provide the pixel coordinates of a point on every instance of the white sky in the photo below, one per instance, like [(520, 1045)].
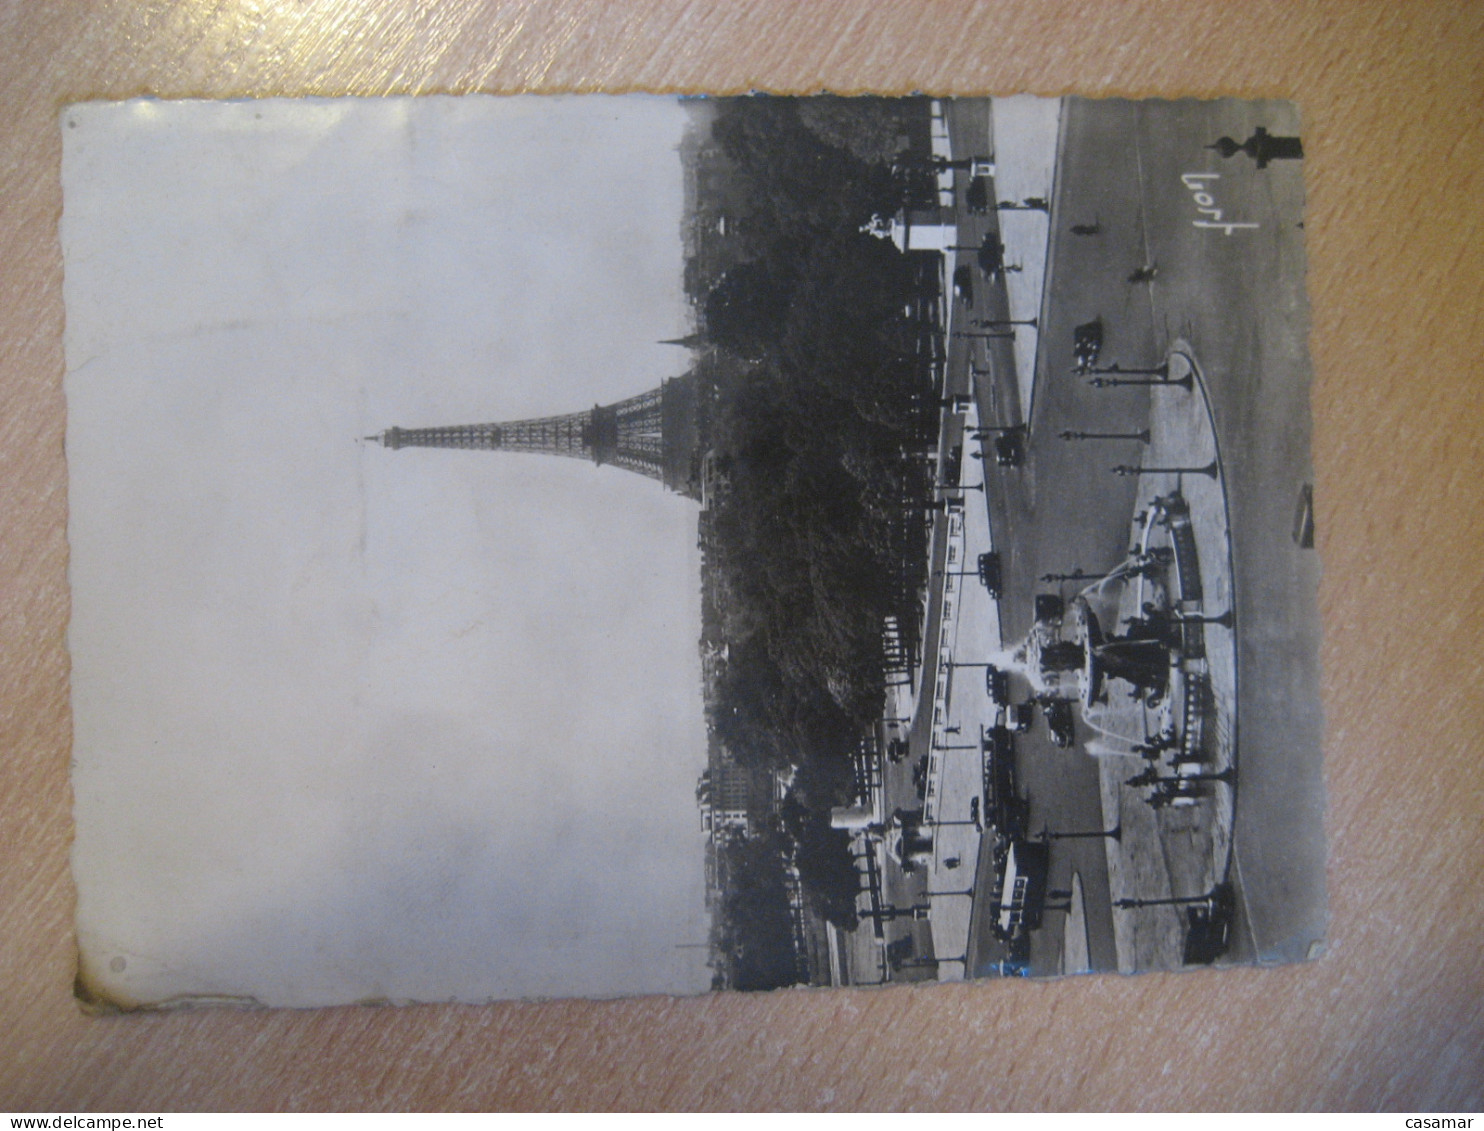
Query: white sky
[(354, 723)]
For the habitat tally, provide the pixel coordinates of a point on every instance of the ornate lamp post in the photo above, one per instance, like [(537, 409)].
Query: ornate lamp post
[(1114, 834), (1225, 620), (1116, 376), (1209, 898), (1262, 147), (1142, 436), (985, 431), (1209, 470), (1152, 777), (989, 322), (1075, 575), (955, 823)]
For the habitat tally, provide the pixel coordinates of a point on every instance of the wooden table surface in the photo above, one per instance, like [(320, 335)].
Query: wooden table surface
[(1393, 1017)]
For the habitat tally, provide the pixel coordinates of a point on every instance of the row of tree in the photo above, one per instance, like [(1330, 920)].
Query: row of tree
[(820, 437)]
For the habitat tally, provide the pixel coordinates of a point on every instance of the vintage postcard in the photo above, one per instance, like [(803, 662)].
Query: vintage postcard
[(531, 547)]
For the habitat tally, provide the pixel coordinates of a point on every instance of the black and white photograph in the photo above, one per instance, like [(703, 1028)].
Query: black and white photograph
[(596, 546)]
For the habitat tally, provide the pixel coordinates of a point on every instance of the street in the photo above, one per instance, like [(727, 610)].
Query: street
[(1172, 242)]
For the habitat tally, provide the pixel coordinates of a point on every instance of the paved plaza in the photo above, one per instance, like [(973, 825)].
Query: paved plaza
[(1100, 223)]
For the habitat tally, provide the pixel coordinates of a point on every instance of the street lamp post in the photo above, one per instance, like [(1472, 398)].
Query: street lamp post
[(958, 486), (928, 963), (1225, 620), (987, 323), (1209, 470), (984, 431), (889, 913), (1155, 375), (1115, 834), (943, 164), (1075, 575), (1152, 777), (1142, 436), (982, 334), (1169, 901), (1161, 370)]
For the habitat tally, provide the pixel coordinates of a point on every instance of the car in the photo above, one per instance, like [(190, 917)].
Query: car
[(1209, 927), (989, 573), (1019, 716), (1087, 344), (991, 258), (1059, 721), (1009, 448), (1049, 608), (919, 777), (953, 464), (997, 685), (963, 284), (976, 197), (999, 748)]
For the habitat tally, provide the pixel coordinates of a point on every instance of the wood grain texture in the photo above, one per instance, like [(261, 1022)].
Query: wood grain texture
[(1393, 1017)]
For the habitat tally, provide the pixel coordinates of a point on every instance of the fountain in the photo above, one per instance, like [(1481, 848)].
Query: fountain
[(1126, 655)]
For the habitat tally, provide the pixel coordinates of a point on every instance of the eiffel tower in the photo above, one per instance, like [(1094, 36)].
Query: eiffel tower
[(655, 434)]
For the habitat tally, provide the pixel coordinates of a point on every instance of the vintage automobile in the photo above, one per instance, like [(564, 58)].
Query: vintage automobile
[(989, 573), (1087, 344), (1059, 721), (991, 259), (976, 197), (997, 685), (1004, 808), (953, 464), (1019, 716), (1049, 608), (1209, 927), (1009, 448), (963, 284)]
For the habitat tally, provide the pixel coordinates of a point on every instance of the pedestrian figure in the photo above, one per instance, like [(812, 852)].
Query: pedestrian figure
[(1143, 274)]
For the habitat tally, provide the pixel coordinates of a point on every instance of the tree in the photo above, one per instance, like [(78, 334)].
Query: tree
[(872, 129), (822, 855), (819, 538), (756, 925), (745, 310)]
